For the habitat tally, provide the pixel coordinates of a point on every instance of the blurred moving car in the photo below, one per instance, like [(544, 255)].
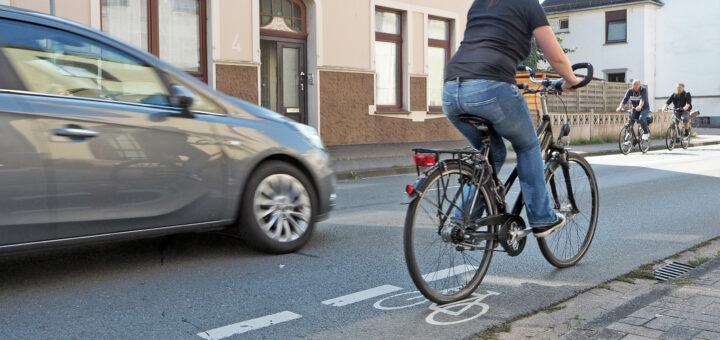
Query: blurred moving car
[(99, 141)]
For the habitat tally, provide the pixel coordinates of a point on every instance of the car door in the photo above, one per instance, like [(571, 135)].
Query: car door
[(24, 200), (122, 158)]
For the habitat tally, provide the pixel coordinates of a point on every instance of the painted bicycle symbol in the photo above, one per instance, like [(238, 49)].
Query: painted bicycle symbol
[(450, 314)]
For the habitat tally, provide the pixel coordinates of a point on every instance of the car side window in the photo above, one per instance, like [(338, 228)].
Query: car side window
[(200, 101), (57, 62)]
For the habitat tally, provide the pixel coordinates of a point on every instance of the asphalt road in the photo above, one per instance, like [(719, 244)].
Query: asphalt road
[(350, 281)]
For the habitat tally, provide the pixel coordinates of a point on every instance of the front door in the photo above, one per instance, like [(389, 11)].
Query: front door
[(284, 78)]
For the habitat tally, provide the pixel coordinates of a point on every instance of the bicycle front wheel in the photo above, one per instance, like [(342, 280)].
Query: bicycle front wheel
[(444, 262), (670, 138), (644, 144), (685, 141), (625, 140), (574, 180)]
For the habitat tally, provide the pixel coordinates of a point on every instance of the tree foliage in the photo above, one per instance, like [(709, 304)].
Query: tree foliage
[(537, 56)]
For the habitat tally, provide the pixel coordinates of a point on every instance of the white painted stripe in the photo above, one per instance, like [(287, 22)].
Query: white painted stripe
[(445, 273), (361, 295), (249, 325)]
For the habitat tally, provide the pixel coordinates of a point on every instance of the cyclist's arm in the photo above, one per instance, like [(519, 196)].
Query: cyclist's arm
[(688, 104), (624, 101), (555, 55), (667, 103), (643, 101)]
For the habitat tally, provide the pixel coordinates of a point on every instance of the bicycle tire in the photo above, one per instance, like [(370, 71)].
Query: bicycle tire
[(623, 137), (420, 235), (585, 201), (670, 138), (685, 141), (644, 145)]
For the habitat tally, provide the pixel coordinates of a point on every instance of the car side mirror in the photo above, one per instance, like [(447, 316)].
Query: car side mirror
[(181, 97)]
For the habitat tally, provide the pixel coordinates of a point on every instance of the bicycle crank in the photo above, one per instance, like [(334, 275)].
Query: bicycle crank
[(513, 235)]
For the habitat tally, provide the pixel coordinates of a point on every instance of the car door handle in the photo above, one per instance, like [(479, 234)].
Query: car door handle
[(75, 133)]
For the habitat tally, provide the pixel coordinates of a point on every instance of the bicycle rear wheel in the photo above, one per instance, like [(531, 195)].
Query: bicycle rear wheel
[(441, 264), (670, 138), (567, 245), (625, 139)]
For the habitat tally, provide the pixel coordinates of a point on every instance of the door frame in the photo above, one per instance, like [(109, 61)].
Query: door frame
[(303, 68)]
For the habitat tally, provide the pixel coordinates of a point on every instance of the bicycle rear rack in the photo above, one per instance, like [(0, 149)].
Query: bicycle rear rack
[(465, 153)]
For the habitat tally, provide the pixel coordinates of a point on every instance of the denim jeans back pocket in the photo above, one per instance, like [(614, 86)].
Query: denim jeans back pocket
[(488, 109)]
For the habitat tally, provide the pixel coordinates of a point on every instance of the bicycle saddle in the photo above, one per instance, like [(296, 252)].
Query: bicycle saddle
[(474, 120)]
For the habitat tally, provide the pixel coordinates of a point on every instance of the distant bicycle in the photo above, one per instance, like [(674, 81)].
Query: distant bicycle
[(629, 136), (676, 131)]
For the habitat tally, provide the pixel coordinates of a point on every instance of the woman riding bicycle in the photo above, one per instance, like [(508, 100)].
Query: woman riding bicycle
[(480, 80)]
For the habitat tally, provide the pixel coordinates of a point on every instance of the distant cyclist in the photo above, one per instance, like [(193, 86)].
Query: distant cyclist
[(682, 100), (638, 97)]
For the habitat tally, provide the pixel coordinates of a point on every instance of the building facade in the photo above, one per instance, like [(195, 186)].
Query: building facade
[(360, 71), (661, 43)]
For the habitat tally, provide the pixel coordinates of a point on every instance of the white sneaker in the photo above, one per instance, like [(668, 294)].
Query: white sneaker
[(627, 143), (646, 136)]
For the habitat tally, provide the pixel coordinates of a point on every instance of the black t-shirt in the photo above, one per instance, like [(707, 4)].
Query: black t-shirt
[(679, 100), (497, 39)]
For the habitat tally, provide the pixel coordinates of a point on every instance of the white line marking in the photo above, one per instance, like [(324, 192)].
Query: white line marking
[(360, 296), (445, 273), (249, 325)]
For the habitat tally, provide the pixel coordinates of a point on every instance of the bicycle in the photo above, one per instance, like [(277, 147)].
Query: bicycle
[(630, 137), (676, 131), (457, 215)]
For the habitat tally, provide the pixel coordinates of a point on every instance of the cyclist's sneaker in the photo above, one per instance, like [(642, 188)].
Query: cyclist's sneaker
[(645, 136), (687, 132), (545, 230), (627, 143)]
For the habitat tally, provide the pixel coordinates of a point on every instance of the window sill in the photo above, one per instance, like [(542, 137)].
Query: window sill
[(431, 111), (385, 112), (615, 43)]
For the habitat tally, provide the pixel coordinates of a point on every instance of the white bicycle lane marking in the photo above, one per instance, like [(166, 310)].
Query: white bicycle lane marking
[(441, 315), (249, 325)]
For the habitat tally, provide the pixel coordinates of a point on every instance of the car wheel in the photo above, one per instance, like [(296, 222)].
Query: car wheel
[(278, 209)]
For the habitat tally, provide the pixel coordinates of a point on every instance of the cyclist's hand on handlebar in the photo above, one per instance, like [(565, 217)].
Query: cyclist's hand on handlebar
[(569, 83), (618, 109)]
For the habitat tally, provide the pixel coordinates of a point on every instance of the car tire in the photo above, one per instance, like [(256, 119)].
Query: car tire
[(278, 209)]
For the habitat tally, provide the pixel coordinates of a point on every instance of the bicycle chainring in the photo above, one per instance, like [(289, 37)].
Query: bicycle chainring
[(509, 237)]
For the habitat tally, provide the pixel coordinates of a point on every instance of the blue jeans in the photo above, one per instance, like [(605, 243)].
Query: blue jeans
[(504, 106), (642, 115)]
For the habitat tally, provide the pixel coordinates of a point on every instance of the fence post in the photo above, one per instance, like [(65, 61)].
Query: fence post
[(604, 96)]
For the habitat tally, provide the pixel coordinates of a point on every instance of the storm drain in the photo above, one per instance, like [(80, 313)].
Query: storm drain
[(671, 270)]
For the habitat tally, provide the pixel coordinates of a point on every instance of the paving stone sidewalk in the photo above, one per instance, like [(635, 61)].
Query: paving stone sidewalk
[(691, 311)]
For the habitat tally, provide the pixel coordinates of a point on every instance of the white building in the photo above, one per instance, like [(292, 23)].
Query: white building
[(659, 42)]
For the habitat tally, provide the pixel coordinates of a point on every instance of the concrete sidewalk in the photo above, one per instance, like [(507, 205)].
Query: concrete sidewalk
[(634, 306), (356, 161)]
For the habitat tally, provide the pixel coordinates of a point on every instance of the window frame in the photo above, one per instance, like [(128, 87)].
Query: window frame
[(398, 40), (615, 17), (444, 44), (560, 22), (612, 74), (275, 33), (153, 31)]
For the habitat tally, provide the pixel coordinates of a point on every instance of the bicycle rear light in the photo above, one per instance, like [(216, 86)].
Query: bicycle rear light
[(424, 160), (409, 189)]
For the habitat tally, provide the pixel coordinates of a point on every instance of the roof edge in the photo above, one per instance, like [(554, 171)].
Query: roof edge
[(651, 2)]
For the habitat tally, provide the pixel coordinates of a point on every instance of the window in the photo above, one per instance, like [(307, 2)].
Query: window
[(388, 59), (283, 15), (200, 102), (616, 26), (173, 30), (55, 62), (564, 25), (438, 57), (616, 77)]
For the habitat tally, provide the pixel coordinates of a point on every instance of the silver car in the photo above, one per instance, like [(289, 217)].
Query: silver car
[(101, 141)]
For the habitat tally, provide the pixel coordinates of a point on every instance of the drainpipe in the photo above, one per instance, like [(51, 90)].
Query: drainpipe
[(52, 7)]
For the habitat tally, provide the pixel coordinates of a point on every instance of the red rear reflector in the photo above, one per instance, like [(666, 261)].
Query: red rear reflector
[(409, 189), (424, 160)]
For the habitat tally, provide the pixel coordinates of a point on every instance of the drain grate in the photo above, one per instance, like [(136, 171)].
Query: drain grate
[(671, 270)]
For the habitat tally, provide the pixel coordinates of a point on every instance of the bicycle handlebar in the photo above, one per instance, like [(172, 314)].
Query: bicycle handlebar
[(556, 84)]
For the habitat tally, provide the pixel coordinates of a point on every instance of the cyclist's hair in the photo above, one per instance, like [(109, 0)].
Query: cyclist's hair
[(681, 84)]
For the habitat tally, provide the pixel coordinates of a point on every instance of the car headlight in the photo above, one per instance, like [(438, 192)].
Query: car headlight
[(310, 134)]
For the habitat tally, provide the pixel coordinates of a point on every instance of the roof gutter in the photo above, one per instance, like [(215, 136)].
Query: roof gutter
[(652, 2)]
